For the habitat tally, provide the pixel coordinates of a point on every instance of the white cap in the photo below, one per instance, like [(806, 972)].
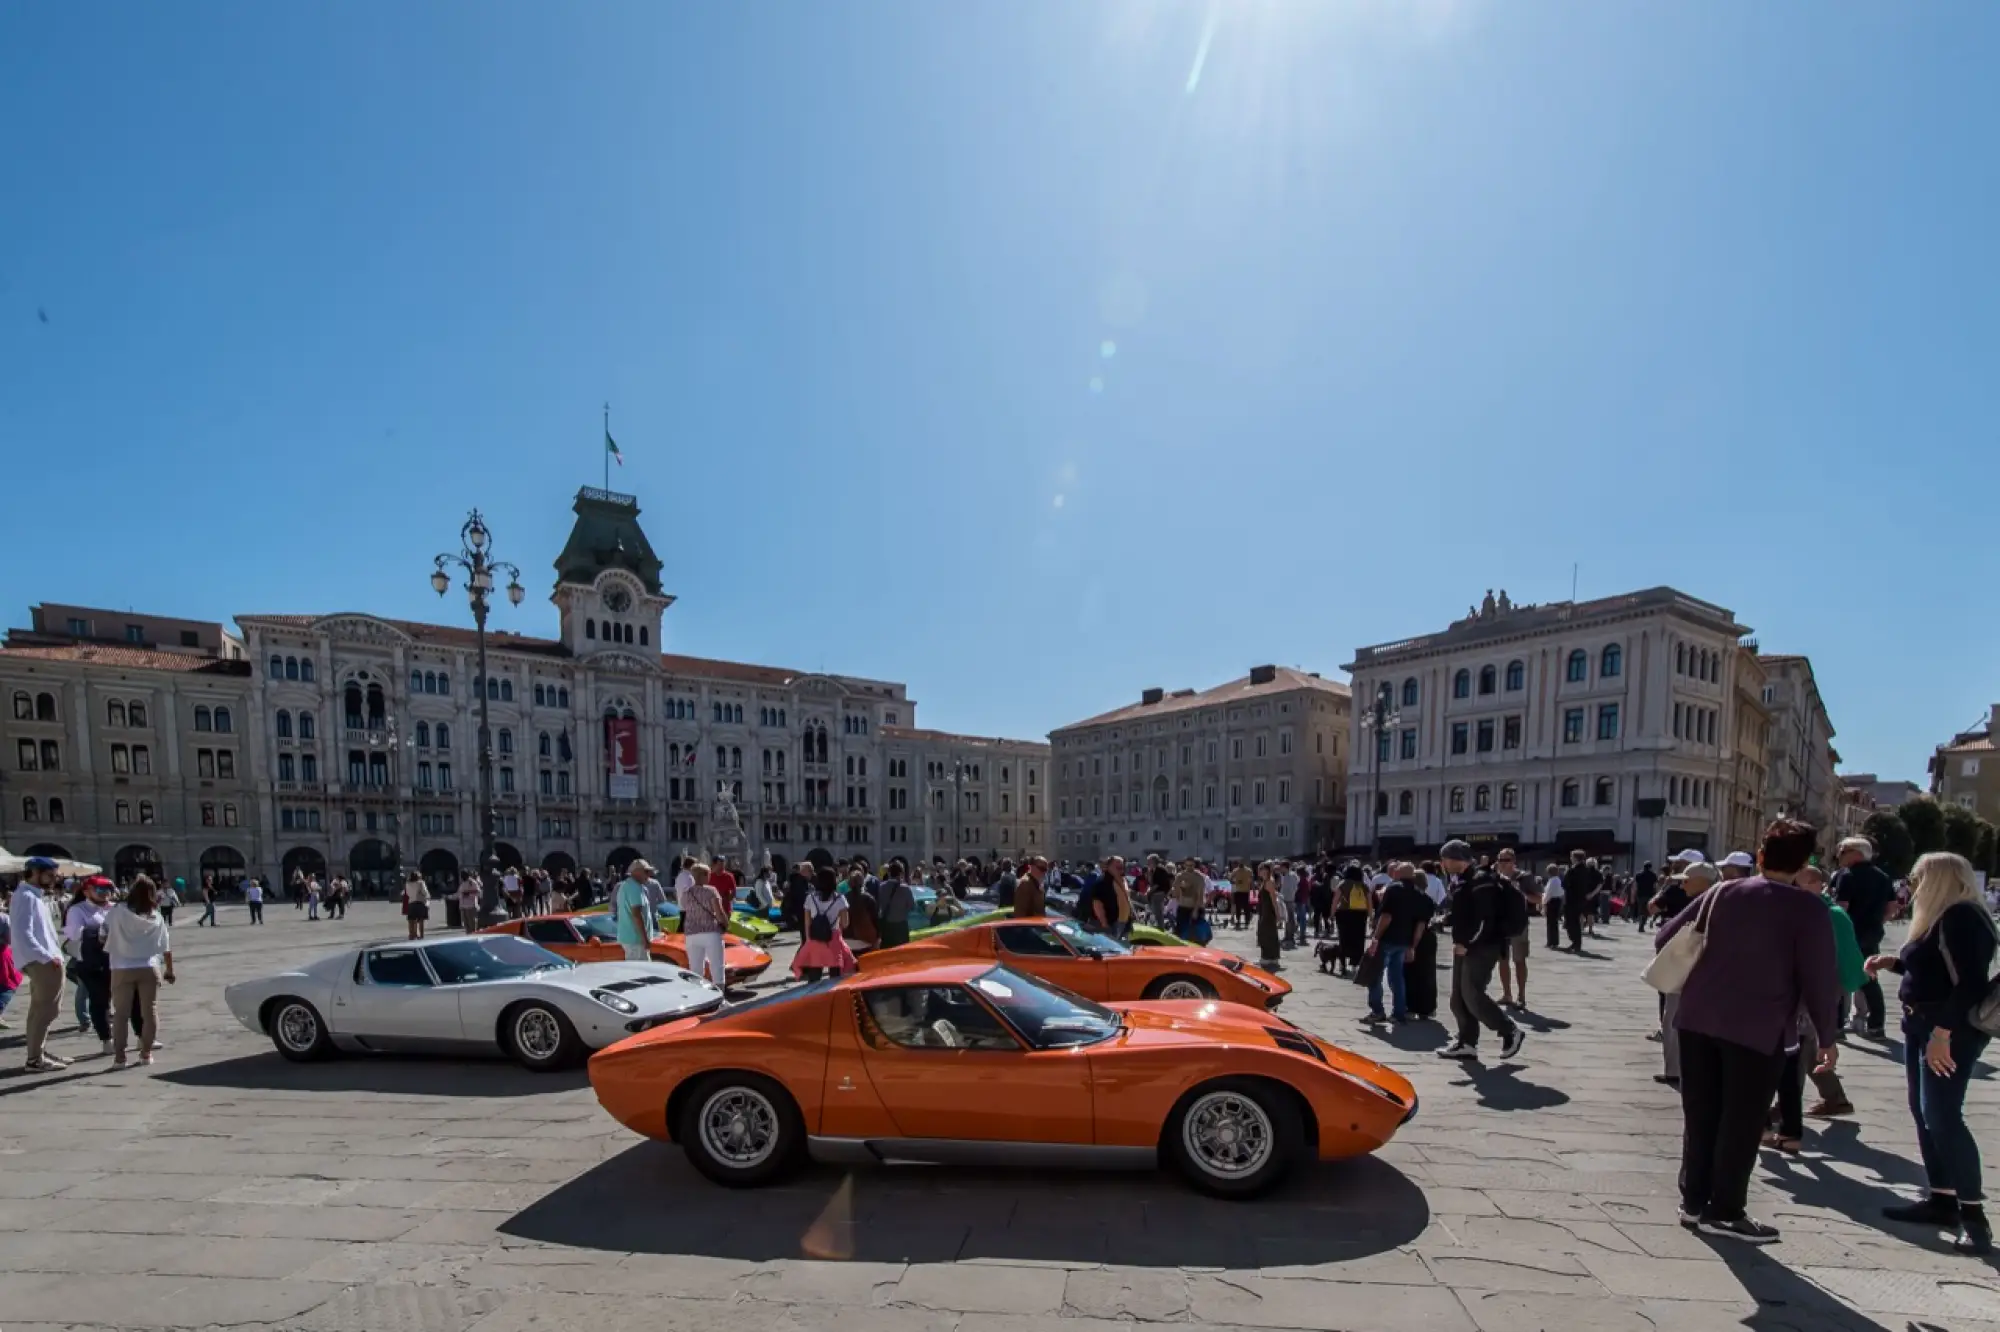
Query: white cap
[(1739, 860), (1689, 856)]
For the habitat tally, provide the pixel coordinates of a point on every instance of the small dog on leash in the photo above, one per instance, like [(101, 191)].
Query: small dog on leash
[(1327, 954)]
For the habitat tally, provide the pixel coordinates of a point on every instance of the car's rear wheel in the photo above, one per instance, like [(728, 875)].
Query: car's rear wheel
[(541, 1038), (1234, 1138), (741, 1129), (298, 1030), (1180, 987)]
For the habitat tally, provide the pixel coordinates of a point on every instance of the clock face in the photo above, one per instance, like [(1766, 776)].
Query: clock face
[(617, 600)]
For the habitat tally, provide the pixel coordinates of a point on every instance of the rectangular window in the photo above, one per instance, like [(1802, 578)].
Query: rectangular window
[(1572, 726), (1235, 749), (1607, 721), (121, 759), (286, 770), (204, 763), (1678, 709), (1260, 746), (1235, 794), (1460, 735), (1486, 736), (1382, 746), (1284, 790), (142, 760), (1510, 733), (225, 763), (1409, 742), (1257, 794), (308, 768)]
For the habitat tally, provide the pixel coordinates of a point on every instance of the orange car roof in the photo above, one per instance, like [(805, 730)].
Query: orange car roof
[(923, 972)]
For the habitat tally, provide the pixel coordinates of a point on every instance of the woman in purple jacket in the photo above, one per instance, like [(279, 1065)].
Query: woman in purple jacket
[(1769, 950)]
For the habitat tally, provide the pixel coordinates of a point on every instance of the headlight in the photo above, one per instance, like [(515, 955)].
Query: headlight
[(618, 1003), (1233, 963), (1259, 984)]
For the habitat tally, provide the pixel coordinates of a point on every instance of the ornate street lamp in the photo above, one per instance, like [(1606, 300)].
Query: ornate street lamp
[(480, 569), (1378, 721)]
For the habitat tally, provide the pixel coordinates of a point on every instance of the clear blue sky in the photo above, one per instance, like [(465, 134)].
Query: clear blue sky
[(1029, 351)]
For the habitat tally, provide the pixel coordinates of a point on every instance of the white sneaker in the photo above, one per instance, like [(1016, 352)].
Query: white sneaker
[(1458, 1050), (104, 1047)]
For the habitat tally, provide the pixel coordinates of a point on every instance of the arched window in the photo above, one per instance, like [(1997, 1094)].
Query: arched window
[(24, 707), (674, 754), (305, 726), (31, 812), (377, 707), (1489, 680), (642, 637), (55, 810), (1612, 661), (222, 722), (1406, 803), (136, 711), (416, 682), (506, 691), (1461, 684), (590, 628), (351, 696), (506, 741), (204, 720), (45, 707), (1482, 798), (283, 721), (114, 713), (1606, 791), (444, 682), (277, 667), (1680, 659), (1457, 802), (542, 745), (443, 736), (1714, 667), (1572, 792), (1517, 676), (430, 682), (306, 669), (1510, 796), (539, 696), (735, 757), (423, 735), (296, 671), (562, 698), (1579, 666), (1410, 692)]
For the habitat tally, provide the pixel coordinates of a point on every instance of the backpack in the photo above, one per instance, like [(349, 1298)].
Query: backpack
[(1513, 910), (1985, 1014), (819, 928)]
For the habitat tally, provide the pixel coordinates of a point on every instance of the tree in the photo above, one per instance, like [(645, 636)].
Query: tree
[(1894, 851), (1961, 832), (1986, 848), (1925, 820)]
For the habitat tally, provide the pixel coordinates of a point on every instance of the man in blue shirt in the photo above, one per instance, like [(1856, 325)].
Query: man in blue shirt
[(632, 908)]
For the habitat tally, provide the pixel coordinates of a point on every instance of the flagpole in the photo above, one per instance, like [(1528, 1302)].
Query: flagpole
[(607, 446)]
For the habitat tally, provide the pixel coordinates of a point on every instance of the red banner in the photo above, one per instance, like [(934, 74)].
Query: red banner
[(621, 758)]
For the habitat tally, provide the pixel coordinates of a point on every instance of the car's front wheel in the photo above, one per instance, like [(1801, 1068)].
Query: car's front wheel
[(741, 1129), (298, 1030), (541, 1038), (1234, 1138), (1180, 987)]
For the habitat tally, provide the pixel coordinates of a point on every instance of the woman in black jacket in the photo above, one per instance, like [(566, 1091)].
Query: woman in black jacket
[(1944, 967)]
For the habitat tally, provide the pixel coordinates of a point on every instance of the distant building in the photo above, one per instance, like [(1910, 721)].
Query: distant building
[(956, 796), (1800, 759), (1612, 726), (1966, 772), (1251, 769), (1881, 793)]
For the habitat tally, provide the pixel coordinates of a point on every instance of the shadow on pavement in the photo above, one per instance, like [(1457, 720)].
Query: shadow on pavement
[(396, 1075), (648, 1200), (1498, 1088), (1410, 1037), (1786, 1301)]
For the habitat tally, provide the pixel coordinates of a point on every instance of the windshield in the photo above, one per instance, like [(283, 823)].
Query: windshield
[(596, 929), (491, 958), (1050, 1019), (1081, 939)]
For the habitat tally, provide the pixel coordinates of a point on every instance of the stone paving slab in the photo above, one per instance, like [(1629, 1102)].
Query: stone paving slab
[(225, 1187)]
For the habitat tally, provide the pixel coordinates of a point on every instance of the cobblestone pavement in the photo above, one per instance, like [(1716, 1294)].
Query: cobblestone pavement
[(227, 1188)]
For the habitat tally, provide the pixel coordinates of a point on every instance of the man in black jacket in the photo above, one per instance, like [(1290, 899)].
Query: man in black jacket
[(1478, 947), (1866, 892), (1580, 887)]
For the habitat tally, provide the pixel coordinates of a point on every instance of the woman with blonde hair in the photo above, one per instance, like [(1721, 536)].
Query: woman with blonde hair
[(1944, 966)]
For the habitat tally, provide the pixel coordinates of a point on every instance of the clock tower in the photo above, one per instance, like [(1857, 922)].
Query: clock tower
[(608, 583)]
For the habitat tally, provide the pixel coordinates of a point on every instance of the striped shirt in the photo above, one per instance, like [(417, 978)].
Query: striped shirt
[(702, 911)]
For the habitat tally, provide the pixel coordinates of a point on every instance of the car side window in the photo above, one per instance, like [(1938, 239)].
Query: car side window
[(397, 966), (1031, 941), (549, 932), (937, 1017)]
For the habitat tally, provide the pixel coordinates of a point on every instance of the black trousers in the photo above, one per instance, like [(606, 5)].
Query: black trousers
[(1573, 920), (1552, 914), (1420, 976), (97, 985), (1726, 1092)]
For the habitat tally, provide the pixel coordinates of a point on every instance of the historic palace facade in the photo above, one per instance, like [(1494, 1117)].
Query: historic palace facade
[(349, 742)]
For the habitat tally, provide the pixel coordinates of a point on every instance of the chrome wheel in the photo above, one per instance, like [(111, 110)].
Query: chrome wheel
[(297, 1028), (739, 1127), (1228, 1135), (1183, 989), (537, 1035)]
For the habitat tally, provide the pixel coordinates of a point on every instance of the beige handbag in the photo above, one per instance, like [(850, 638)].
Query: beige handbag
[(1675, 962)]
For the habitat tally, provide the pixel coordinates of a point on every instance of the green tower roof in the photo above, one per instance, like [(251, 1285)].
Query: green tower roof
[(607, 535)]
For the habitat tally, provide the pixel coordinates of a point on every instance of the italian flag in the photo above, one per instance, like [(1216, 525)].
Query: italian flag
[(611, 447)]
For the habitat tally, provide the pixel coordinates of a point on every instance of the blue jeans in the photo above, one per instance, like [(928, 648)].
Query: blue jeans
[(1393, 957), (207, 914), (1951, 1155)]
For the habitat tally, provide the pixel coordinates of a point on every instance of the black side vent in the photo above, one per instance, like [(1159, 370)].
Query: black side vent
[(1286, 1039)]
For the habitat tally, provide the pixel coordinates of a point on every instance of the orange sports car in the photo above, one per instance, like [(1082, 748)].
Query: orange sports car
[(594, 938), (1095, 966), (972, 1062)]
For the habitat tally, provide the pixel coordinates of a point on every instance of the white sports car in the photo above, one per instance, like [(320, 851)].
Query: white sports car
[(465, 994)]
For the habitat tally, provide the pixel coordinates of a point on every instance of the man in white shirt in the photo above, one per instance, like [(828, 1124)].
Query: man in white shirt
[(510, 891), (38, 953)]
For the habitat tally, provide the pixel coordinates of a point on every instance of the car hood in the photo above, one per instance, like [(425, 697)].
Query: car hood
[(1169, 1023), (653, 987)]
